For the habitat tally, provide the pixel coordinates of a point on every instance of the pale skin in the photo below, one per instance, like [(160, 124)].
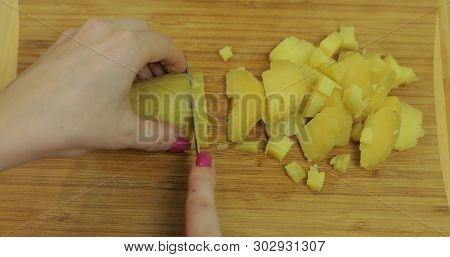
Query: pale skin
[(74, 98)]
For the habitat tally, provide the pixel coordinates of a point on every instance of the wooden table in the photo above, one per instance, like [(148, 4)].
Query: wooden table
[(132, 193)]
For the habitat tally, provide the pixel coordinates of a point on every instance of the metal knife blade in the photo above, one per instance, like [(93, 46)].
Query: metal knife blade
[(193, 108)]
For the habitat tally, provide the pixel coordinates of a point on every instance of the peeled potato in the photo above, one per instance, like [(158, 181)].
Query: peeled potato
[(410, 127), (358, 71), (384, 125)]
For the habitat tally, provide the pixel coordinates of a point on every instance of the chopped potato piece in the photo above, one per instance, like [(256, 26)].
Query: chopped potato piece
[(319, 59), (404, 75), (357, 128), (222, 147), (292, 49), (353, 100), (358, 71), (251, 146), (288, 127), (279, 147), (310, 75), (315, 178), (385, 124), (248, 103), (326, 86), (348, 38), (410, 127), (331, 44), (382, 74), (340, 162), (335, 99), (225, 53), (366, 135), (335, 71), (330, 127), (285, 88), (316, 102), (295, 172)]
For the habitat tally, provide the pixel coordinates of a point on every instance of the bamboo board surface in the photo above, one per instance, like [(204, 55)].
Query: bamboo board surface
[(132, 193)]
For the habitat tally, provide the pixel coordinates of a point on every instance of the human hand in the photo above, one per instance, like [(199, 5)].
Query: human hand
[(75, 97), (201, 215)]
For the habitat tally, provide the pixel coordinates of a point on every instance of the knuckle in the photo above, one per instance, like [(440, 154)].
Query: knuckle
[(126, 36)]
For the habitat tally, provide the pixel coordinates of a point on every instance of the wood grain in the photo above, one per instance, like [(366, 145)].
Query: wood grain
[(9, 41), (131, 193)]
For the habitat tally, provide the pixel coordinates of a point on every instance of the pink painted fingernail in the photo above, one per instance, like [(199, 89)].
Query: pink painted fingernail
[(180, 146), (204, 159)]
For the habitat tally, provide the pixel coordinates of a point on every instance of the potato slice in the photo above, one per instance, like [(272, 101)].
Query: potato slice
[(384, 125), (310, 75), (331, 44), (330, 127), (357, 128), (248, 103), (285, 88), (340, 162), (294, 50), (295, 172), (315, 178), (251, 146), (348, 38), (410, 127), (201, 112), (287, 127), (279, 147)]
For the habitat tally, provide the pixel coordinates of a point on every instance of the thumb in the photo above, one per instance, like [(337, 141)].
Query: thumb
[(201, 215)]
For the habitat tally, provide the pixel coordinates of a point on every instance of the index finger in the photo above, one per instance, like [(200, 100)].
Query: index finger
[(201, 215)]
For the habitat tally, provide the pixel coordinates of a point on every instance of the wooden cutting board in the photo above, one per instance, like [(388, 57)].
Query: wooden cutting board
[(132, 193)]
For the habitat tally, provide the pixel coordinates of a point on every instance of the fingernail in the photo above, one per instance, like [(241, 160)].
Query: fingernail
[(180, 146), (204, 160)]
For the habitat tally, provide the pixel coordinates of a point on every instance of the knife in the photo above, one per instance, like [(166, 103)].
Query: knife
[(193, 108)]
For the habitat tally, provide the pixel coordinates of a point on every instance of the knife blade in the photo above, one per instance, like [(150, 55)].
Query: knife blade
[(194, 109)]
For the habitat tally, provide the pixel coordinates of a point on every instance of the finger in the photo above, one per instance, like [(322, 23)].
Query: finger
[(145, 73), (155, 136), (67, 34), (157, 47), (156, 68), (201, 215)]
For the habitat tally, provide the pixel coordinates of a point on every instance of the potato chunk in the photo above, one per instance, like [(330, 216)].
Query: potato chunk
[(404, 75), (315, 178), (295, 172), (353, 100), (348, 38), (225, 53), (319, 59), (331, 44), (279, 147), (384, 125), (292, 49), (251, 146), (358, 71), (340, 162), (410, 127)]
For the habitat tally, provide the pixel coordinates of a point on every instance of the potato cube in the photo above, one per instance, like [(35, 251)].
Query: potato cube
[(316, 103), (403, 75), (292, 49), (331, 44), (225, 53), (410, 127), (340, 162), (310, 75), (319, 59), (335, 71), (348, 38), (315, 178), (251, 146), (295, 172), (279, 147), (357, 128)]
